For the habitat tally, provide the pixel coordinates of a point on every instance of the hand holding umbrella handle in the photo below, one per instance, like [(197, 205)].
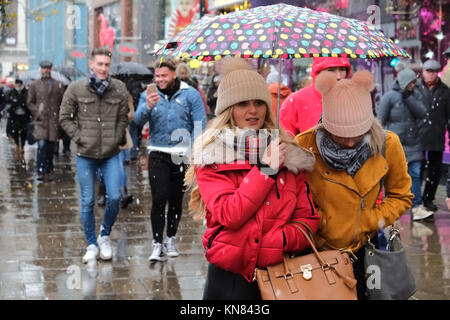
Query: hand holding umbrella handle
[(275, 154)]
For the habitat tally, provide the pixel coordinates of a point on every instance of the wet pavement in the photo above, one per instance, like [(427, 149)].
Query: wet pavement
[(42, 241)]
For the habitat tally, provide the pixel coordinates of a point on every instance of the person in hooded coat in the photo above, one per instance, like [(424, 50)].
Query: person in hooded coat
[(302, 110), (401, 110), (250, 184)]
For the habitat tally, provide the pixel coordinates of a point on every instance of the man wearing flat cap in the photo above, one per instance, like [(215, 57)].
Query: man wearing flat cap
[(432, 128), (44, 99)]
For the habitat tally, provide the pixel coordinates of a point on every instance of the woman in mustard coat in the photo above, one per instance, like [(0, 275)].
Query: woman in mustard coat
[(350, 169)]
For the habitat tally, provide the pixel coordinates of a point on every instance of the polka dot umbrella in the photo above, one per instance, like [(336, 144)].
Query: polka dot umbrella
[(280, 31)]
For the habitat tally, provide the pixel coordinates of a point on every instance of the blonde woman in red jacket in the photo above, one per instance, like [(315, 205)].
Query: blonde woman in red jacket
[(250, 185)]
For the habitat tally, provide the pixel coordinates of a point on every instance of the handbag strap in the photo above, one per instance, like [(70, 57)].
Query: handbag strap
[(322, 262), (307, 227)]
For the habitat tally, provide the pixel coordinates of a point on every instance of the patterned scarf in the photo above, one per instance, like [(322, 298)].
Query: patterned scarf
[(350, 160), (98, 85), (252, 145)]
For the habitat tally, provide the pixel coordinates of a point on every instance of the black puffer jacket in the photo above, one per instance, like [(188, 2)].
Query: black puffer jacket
[(437, 101), (401, 112)]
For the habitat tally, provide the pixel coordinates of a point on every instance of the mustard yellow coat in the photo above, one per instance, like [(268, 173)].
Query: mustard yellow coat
[(347, 206)]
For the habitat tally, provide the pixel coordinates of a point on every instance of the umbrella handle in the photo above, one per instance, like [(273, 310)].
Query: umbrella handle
[(278, 97)]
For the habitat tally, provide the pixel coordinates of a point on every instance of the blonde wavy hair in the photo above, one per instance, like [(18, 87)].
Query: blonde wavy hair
[(225, 120)]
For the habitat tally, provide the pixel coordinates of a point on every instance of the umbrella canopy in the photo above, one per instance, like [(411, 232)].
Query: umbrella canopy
[(36, 74), (129, 68), (280, 31), (69, 72)]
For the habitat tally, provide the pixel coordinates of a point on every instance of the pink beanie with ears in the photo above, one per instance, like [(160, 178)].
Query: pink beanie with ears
[(347, 104)]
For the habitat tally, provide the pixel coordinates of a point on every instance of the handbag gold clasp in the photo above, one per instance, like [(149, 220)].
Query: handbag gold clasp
[(288, 276), (306, 270)]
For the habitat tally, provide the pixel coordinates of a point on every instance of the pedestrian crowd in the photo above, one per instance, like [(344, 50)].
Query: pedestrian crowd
[(337, 167)]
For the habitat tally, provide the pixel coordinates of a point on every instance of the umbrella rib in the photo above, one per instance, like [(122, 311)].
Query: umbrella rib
[(275, 42)]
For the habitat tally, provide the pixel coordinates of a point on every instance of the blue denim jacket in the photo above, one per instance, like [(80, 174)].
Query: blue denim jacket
[(172, 122)]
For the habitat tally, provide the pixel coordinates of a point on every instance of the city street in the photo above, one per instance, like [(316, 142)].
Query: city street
[(42, 241)]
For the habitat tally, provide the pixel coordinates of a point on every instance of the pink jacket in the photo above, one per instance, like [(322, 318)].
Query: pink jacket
[(302, 110), (248, 213)]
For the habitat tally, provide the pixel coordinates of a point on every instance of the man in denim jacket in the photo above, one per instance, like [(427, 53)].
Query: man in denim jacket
[(176, 115)]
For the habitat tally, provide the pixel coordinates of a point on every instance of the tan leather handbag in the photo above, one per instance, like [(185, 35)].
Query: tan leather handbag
[(325, 275)]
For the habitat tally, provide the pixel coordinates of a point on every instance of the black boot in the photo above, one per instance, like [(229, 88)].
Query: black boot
[(101, 199), (125, 198)]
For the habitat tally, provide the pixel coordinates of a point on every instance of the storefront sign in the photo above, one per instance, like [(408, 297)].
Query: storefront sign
[(128, 49), (77, 54)]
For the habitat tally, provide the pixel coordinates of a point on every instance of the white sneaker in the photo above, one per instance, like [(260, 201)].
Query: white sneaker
[(170, 247), (104, 243), (156, 253), (420, 213), (91, 253)]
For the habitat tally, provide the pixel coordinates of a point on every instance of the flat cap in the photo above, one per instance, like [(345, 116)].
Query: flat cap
[(432, 65), (46, 64)]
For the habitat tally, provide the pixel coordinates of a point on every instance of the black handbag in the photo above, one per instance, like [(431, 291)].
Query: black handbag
[(389, 276), (30, 133)]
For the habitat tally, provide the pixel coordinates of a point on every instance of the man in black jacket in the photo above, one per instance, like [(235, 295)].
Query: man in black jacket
[(432, 131)]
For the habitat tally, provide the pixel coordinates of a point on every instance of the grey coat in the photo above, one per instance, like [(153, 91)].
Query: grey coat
[(44, 100), (401, 112), (96, 124)]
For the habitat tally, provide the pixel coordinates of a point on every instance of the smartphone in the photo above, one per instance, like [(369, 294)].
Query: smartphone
[(151, 88)]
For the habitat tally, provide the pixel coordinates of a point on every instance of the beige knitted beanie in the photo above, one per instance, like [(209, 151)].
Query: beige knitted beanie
[(347, 105), (240, 83)]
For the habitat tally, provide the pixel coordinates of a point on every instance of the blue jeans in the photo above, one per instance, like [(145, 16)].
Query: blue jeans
[(123, 174), (86, 171), (135, 131), (414, 171), (45, 153)]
